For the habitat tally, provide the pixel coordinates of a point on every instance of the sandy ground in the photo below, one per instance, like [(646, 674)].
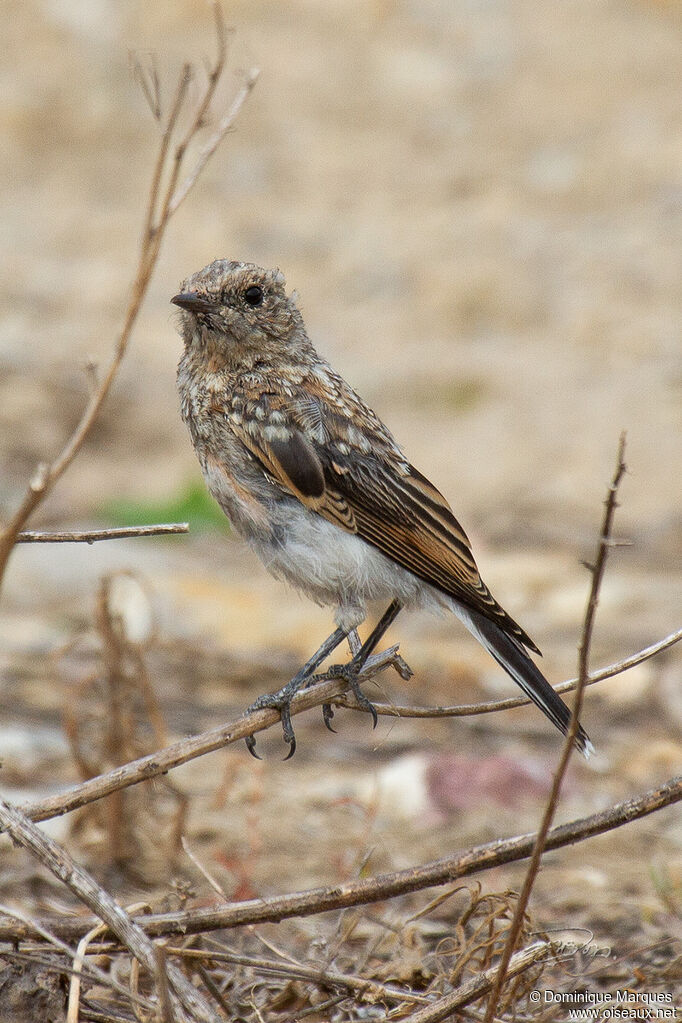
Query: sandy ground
[(480, 206)]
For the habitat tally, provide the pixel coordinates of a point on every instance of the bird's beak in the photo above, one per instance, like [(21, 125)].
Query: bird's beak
[(193, 302)]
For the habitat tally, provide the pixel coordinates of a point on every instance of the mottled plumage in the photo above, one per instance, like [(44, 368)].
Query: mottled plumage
[(312, 478)]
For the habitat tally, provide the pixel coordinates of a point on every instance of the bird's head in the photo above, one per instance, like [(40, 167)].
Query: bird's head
[(242, 312)]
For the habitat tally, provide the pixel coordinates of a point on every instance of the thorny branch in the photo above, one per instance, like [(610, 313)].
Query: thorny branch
[(597, 571), (162, 204)]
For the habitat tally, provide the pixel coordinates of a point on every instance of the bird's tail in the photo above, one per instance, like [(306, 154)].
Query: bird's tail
[(511, 656)]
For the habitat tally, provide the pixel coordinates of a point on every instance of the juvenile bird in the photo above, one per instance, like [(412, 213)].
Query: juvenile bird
[(309, 475)]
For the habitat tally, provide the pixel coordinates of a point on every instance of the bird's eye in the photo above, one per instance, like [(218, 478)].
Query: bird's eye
[(253, 296)]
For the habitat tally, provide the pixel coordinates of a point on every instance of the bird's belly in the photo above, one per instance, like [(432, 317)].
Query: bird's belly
[(334, 567)]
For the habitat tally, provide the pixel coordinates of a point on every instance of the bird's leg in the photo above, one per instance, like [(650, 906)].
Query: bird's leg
[(281, 700), (355, 644), (351, 671)]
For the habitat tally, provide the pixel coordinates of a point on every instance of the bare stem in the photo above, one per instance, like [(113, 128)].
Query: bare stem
[(158, 214), (363, 891), (94, 535), (24, 833), (493, 706), (603, 547), (194, 746), (444, 1007)]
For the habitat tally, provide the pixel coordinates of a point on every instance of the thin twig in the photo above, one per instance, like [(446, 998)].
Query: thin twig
[(360, 986), (151, 220), (76, 976), (363, 891), (156, 221), (94, 535), (24, 833), (94, 972), (181, 752), (208, 150), (493, 706), (195, 746), (203, 870), (603, 546), (479, 985)]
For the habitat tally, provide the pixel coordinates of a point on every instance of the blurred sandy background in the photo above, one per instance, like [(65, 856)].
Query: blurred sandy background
[(480, 205)]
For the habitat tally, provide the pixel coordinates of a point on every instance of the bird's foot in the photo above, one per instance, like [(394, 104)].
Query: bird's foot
[(353, 673), (363, 665), (350, 673), (281, 701)]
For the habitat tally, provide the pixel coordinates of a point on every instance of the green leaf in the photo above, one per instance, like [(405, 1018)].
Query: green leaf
[(192, 504)]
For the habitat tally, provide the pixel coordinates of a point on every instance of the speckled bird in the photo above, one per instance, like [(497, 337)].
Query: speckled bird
[(314, 481)]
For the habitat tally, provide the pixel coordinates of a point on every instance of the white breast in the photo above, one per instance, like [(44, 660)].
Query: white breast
[(334, 567)]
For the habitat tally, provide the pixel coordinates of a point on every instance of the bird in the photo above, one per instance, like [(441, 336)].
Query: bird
[(312, 479)]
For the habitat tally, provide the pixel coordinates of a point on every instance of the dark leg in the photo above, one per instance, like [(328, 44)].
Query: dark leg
[(351, 671), (281, 700)]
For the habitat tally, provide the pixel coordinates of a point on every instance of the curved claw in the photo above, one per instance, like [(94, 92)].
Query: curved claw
[(363, 701), (250, 741), (328, 715), (366, 704), (349, 672), (287, 727), (280, 702), (292, 748)]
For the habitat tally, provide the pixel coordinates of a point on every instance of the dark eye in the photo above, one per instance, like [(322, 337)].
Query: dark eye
[(254, 295)]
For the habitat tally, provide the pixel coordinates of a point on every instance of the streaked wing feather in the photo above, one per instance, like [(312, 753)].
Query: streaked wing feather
[(391, 505), (290, 459), (405, 517)]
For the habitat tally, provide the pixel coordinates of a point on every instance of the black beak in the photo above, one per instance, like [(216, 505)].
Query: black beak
[(193, 302)]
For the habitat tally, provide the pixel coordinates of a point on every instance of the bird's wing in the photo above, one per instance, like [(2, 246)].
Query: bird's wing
[(384, 500)]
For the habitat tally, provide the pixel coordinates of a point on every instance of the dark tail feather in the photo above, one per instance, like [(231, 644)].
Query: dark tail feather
[(513, 658)]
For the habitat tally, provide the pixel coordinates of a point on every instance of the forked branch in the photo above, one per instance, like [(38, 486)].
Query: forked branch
[(171, 162)]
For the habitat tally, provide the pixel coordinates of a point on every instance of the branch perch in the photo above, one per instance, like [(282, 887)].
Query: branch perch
[(155, 764)]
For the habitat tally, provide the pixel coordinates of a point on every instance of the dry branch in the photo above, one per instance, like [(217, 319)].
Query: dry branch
[(492, 706), (181, 752), (161, 206), (597, 571), (479, 986), (361, 987), (382, 886), (94, 535), (24, 833)]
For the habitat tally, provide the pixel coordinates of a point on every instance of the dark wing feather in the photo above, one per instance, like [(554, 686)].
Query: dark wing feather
[(400, 512), (292, 462)]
